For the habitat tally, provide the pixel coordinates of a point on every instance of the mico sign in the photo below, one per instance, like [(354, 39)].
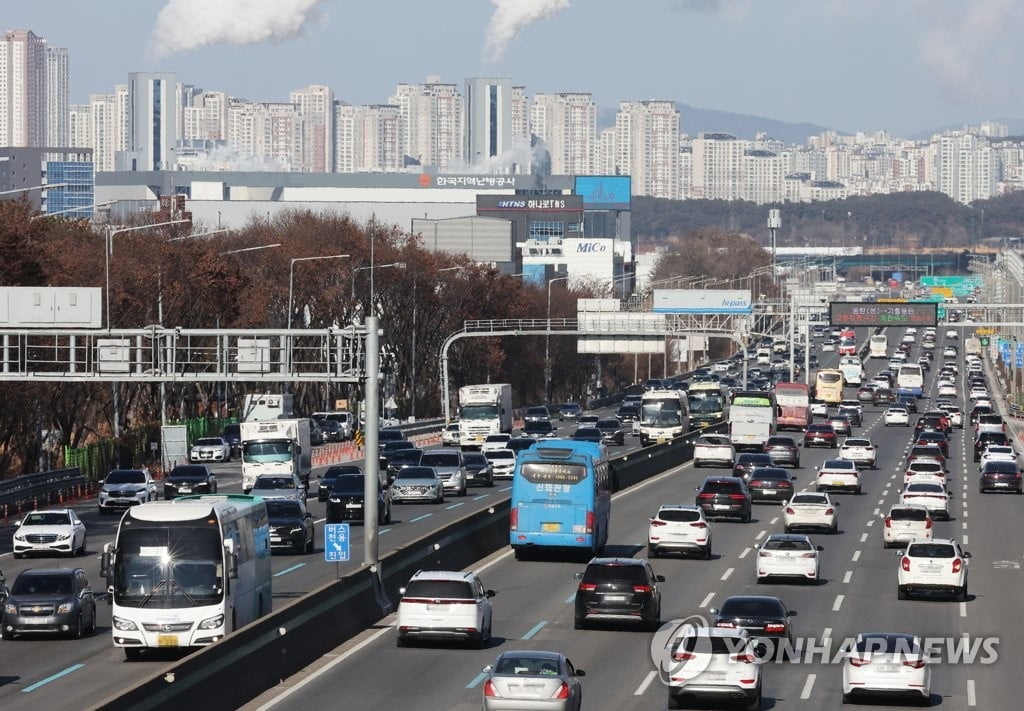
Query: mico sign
[(591, 247)]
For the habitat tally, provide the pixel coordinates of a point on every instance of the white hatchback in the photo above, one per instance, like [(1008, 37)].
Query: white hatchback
[(904, 523), (838, 474), (997, 453), (679, 528), (714, 663), (924, 470), (935, 566), (810, 509), (886, 663), (897, 416), (445, 605), (787, 555)]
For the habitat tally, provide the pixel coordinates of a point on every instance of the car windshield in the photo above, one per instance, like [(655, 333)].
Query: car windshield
[(440, 459), (126, 477), (752, 607), (997, 466), (500, 454), (284, 509), (448, 589), (591, 433), (527, 666), (186, 472), (47, 518), (497, 438), (682, 515), (925, 489), (931, 550), (607, 424), (42, 585), (266, 452), (770, 473), (274, 482), (212, 441), (713, 644), (753, 459), (787, 544), (475, 459), (335, 472), (857, 443), (925, 467), (721, 487), (906, 514), (887, 644), (615, 573), (406, 456), (418, 473), (537, 426), (780, 442), (349, 484), (838, 464), (808, 499), (713, 440), (705, 404)]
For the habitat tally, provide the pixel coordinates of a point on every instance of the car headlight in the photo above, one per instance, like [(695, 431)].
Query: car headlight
[(297, 529), (10, 609), (212, 623), (63, 536), (19, 536), (104, 490), (124, 625), (65, 608)]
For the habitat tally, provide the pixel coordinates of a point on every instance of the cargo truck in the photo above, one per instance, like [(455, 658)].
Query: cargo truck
[(275, 447), (483, 410)]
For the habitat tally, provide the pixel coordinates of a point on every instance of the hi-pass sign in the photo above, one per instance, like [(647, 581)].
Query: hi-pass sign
[(848, 313)]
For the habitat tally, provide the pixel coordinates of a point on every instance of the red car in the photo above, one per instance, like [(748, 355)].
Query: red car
[(820, 435)]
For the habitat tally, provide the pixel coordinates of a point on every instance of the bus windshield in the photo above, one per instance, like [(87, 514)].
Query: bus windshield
[(266, 452), (751, 401), (661, 413), (705, 404), (478, 412), (169, 566)]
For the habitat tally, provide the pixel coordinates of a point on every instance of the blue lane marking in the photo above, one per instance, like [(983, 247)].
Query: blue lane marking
[(382, 531), (476, 680), (571, 598), (507, 488), (288, 570), (420, 518), (536, 628), (454, 506), (482, 496), (52, 677)]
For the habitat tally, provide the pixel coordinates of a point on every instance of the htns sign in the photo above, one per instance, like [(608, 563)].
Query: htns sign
[(591, 247)]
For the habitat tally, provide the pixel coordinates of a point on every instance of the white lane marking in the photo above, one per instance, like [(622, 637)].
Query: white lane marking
[(726, 574), (826, 633), (870, 523), (965, 539), (707, 599), (875, 512), (774, 521), (881, 501), (847, 576), (838, 603), (744, 553), (863, 537), (760, 535), (805, 693), (645, 683), (971, 699), (964, 513), (963, 609), (856, 556), (963, 524)]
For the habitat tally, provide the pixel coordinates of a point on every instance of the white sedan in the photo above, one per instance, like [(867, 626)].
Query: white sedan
[(838, 474), (925, 470), (503, 462), (810, 509), (978, 393), (828, 347), (787, 555), (210, 449), (947, 389), (887, 663), (859, 450), (897, 416), (997, 453), (932, 496), (495, 441), (50, 531)]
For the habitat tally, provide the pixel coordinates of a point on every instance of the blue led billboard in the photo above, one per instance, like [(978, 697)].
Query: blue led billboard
[(604, 192)]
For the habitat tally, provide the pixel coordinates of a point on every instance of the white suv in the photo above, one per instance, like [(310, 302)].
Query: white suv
[(936, 566), (679, 528), (126, 487), (838, 474), (905, 523), (445, 605), (714, 663)]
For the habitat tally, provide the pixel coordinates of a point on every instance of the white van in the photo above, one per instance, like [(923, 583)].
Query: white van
[(764, 356)]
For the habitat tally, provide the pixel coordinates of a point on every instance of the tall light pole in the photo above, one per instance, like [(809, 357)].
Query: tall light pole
[(371, 267), (412, 398), (110, 249), (547, 343), (209, 233), (45, 186), (291, 277), (71, 209), (250, 249)]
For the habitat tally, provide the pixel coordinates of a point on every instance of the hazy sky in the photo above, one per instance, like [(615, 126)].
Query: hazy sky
[(853, 65)]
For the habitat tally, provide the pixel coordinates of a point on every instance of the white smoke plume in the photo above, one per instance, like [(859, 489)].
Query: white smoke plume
[(184, 25), (510, 16), (519, 157)]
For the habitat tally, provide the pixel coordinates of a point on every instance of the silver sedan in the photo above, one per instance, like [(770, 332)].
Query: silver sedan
[(532, 681)]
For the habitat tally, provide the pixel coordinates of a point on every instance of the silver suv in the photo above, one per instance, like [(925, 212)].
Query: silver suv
[(126, 487), (450, 468)]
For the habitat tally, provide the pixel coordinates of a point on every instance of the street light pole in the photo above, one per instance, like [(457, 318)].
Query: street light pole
[(110, 248), (291, 278), (70, 209), (547, 343), (412, 396)]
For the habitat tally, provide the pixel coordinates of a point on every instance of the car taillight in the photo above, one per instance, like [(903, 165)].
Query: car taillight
[(789, 510), (774, 627), (888, 521), (737, 497), (588, 587), (489, 689), (513, 519), (829, 511), (905, 564), (858, 662), (590, 521), (657, 523), (745, 658), (705, 496), (642, 589), (728, 625), (562, 692), (699, 524), (914, 663), (683, 656), (928, 523), (957, 565), (808, 555)]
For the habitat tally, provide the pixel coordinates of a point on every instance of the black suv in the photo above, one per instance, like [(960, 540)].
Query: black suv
[(987, 438), (748, 461), (617, 589), (345, 502), (188, 479), (326, 481), (291, 525), (725, 496), (49, 601)]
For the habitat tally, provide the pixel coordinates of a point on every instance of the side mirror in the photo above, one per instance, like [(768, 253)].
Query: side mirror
[(899, 554), (105, 560), (578, 576), (713, 610), (487, 669), (580, 672), (819, 548), (490, 593), (659, 578), (791, 613), (17, 523), (229, 546), (401, 591), (967, 555), (817, 469), (86, 592), (696, 488), (757, 546)]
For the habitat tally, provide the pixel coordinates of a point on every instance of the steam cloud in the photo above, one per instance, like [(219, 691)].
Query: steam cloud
[(183, 25), (510, 16)]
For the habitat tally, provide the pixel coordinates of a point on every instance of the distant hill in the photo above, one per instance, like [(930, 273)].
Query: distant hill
[(694, 120), (1016, 127)]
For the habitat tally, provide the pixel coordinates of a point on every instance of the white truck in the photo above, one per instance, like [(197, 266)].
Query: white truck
[(483, 410), (275, 447), (852, 370), (972, 346), (267, 406)]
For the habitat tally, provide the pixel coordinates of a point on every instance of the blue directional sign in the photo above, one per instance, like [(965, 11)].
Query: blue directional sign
[(1020, 355), (336, 542)]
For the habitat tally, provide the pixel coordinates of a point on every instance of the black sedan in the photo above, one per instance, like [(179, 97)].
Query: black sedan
[(345, 502), (1000, 476), (326, 481), (188, 479), (748, 461), (766, 620), (770, 484), (479, 471), (611, 431), (587, 434), (291, 526)]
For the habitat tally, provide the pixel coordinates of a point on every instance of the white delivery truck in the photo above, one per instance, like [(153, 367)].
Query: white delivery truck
[(267, 406), (483, 410), (972, 346), (852, 370), (275, 447)]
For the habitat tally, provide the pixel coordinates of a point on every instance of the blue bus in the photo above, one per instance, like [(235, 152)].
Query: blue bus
[(561, 498)]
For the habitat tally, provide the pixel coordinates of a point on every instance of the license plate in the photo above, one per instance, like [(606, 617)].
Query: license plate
[(1001, 483), (185, 490), (768, 492), (887, 668), (837, 483), (614, 598), (35, 620), (167, 640), (712, 676), (353, 506), (721, 507), (551, 527), (435, 608), (930, 568)]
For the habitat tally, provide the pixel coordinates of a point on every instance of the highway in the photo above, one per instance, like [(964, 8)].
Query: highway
[(65, 674), (533, 607)]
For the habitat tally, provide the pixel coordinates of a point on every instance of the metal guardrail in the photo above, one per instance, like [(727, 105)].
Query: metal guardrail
[(44, 488)]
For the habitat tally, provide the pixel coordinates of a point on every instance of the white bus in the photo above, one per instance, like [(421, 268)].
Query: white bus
[(186, 572), (879, 346), (663, 416), (910, 380), (753, 418)]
